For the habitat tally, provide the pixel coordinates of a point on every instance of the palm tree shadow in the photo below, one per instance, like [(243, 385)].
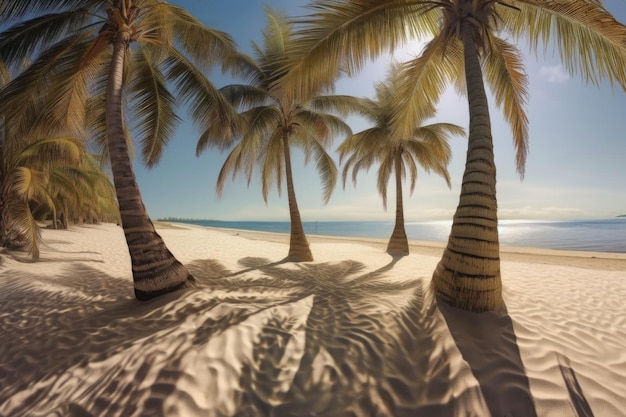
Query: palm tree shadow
[(575, 391), (488, 344), (252, 263), (344, 340), (87, 317), (370, 345)]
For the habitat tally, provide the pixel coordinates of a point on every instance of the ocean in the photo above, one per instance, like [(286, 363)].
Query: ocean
[(597, 235)]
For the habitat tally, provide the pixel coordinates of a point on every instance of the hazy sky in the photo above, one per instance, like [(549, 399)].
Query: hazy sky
[(576, 167)]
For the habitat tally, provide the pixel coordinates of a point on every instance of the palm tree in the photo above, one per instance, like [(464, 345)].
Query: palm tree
[(427, 146), (24, 180), (274, 120), (130, 54), (82, 193), (467, 46)]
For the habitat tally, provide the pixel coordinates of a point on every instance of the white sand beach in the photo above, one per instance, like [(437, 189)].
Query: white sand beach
[(354, 333)]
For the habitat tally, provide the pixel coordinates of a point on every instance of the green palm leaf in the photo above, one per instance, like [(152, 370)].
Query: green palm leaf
[(153, 108)]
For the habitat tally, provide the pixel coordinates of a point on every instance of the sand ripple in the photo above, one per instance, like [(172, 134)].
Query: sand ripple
[(261, 337)]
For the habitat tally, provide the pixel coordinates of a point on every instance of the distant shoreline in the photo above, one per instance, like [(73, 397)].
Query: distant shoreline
[(598, 235)]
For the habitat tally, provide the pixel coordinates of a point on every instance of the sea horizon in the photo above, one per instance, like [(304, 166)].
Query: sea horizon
[(595, 235)]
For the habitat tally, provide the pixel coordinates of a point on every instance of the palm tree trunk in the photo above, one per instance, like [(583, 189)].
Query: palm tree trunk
[(55, 225), (155, 270), (468, 275), (299, 249), (4, 218), (398, 243), (66, 217)]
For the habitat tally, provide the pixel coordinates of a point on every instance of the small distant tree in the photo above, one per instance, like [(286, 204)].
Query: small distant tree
[(426, 146)]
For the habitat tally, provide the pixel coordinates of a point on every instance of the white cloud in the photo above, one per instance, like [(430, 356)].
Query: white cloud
[(554, 74)]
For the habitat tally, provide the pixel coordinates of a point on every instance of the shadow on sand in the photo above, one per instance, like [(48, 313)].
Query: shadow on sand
[(488, 344), (295, 340)]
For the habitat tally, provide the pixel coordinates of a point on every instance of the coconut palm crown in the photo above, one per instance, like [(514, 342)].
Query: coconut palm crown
[(274, 120), (470, 43), (141, 58), (427, 146)]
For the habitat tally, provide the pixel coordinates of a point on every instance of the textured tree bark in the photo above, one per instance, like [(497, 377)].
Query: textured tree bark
[(468, 275), (4, 226), (299, 249), (155, 270), (398, 243)]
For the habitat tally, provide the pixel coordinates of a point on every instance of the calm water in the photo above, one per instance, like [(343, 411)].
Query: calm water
[(602, 235)]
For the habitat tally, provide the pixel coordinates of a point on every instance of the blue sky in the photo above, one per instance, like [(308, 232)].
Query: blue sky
[(576, 166)]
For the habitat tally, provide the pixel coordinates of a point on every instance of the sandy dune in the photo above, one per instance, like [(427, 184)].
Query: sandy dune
[(355, 333)]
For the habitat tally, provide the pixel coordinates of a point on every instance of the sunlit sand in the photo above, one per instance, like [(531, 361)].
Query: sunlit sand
[(356, 332)]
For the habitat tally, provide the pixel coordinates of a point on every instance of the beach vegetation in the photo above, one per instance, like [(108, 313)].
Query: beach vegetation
[(427, 147), (51, 179), (25, 174), (273, 120), (141, 58), (470, 43), (82, 193), (43, 172)]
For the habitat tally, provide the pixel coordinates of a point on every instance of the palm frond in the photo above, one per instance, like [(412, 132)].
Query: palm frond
[(277, 35), (431, 155), (202, 45), (345, 34), (96, 120), (326, 168), (25, 89), (26, 227), (5, 74), (419, 84), (31, 36), (232, 162), (365, 144), (257, 122), (273, 164), (384, 173), (365, 148), (153, 108), (587, 37), (11, 10), (59, 150), (324, 127), (339, 104), (504, 72), (243, 97), (207, 106), (249, 148), (409, 161)]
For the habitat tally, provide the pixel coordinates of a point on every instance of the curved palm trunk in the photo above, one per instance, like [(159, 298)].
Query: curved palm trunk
[(299, 249), (398, 243), (4, 220), (155, 270), (66, 217), (468, 275)]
